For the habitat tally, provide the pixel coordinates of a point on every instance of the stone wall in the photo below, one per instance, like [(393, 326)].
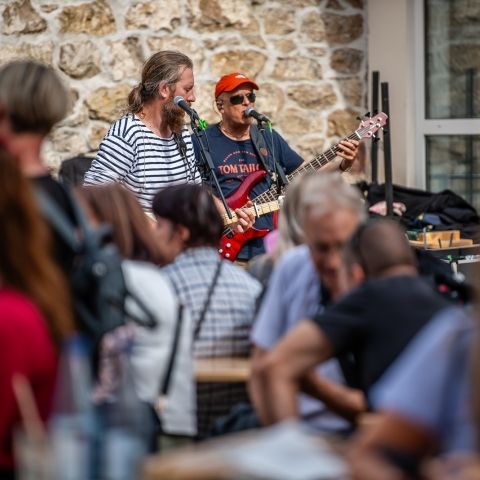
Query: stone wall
[(309, 57)]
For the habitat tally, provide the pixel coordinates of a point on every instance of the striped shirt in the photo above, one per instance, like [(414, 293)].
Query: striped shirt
[(132, 154), (226, 327)]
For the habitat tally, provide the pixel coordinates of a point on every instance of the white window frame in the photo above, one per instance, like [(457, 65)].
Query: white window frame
[(426, 127)]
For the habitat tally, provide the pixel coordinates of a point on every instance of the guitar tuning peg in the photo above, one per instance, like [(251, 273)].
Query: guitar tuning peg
[(368, 115), (359, 118)]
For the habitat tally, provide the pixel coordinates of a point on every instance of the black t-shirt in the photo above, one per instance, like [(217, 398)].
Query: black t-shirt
[(234, 160), (62, 252), (376, 321)]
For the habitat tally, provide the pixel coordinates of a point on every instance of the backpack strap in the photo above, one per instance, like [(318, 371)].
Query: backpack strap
[(162, 399), (201, 318), (163, 394), (150, 320), (58, 220)]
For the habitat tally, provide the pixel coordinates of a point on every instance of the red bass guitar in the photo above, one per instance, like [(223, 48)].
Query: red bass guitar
[(269, 201)]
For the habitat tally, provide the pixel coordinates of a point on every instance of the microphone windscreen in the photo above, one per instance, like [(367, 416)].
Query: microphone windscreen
[(178, 99)]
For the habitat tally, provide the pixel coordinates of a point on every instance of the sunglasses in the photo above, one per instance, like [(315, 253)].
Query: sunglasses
[(238, 99)]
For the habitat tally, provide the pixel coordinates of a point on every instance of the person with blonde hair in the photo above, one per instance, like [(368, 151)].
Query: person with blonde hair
[(35, 314), (150, 147), (288, 235)]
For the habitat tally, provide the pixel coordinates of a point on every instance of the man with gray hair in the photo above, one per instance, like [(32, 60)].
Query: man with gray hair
[(372, 324), (306, 279)]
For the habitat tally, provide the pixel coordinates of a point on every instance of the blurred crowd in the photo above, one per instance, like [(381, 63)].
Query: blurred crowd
[(104, 307)]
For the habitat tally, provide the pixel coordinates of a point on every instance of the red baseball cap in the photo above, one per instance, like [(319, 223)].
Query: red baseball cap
[(231, 81)]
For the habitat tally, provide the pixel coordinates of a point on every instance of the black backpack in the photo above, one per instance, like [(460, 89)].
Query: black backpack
[(73, 170), (96, 278)]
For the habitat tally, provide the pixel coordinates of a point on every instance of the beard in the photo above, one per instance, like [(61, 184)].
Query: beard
[(174, 116)]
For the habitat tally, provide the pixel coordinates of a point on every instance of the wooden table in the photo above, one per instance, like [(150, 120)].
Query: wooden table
[(221, 369)]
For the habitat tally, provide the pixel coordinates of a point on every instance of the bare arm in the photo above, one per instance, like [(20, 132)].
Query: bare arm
[(255, 383), (347, 402), (278, 374)]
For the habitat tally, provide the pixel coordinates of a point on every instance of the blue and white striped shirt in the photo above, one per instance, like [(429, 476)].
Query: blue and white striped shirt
[(132, 154)]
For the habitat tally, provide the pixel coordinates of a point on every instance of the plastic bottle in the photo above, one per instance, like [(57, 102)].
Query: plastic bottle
[(71, 421), (128, 425)]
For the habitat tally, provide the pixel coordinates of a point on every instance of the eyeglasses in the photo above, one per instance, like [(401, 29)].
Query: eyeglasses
[(238, 99)]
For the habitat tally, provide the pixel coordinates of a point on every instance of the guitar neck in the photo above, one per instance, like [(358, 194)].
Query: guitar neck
[(257, 210), (313, 165), (321, 160)]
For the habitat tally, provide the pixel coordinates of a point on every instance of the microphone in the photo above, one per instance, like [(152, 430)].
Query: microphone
[(179, 101), (260, 117)]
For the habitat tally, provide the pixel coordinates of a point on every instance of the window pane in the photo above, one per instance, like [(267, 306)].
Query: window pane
[(453, 161), (452, 40)]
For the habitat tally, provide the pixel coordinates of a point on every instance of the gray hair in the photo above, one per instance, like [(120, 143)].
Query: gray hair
[(33, 96), (327, 191), (290, 230)]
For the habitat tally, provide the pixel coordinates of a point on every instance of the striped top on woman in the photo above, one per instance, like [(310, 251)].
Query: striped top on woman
[(132, 154)]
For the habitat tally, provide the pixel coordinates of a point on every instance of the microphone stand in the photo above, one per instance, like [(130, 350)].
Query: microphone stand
[(278, 174), (198, 128)]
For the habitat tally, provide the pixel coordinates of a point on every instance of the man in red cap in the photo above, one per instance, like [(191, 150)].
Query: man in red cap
[(238, 149)]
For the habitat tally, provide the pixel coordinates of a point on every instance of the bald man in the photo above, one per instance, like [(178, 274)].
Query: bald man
[(372, 325)]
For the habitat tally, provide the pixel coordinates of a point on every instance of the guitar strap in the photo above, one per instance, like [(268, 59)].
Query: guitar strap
[(260, 147), (262, 151), (196, 332)]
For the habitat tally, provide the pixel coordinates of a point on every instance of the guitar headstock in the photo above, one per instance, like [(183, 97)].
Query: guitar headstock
[(370, 125)]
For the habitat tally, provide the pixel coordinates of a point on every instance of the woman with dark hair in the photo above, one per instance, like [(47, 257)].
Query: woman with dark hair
[(189, 212), (133, 235), (35, 313), (220, 296)]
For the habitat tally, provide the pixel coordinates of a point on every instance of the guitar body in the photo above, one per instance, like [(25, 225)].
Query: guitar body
[(232, 242), (241, 195)]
